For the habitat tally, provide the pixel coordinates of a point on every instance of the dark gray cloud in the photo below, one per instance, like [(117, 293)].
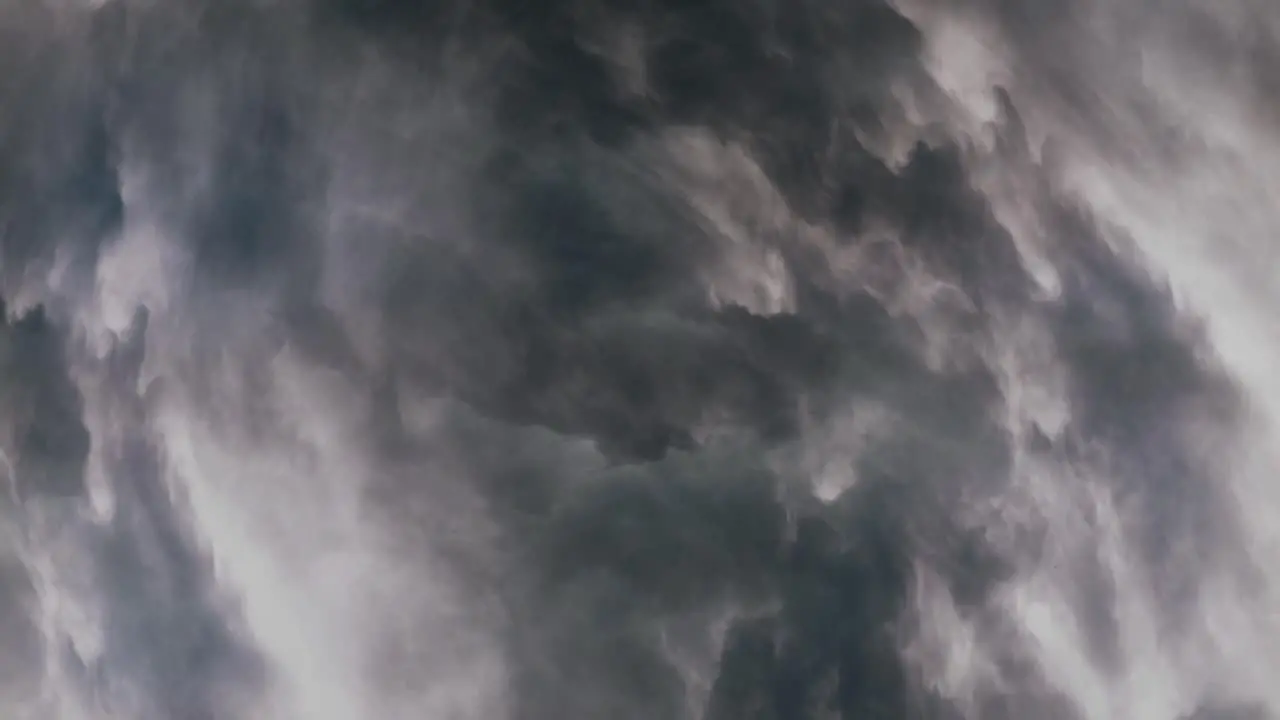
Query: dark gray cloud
[(556, 294)]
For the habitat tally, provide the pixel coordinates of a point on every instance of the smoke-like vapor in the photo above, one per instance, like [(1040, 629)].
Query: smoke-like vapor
[(496, 360)]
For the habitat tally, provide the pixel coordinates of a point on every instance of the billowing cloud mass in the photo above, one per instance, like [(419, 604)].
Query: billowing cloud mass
[(585, 360)]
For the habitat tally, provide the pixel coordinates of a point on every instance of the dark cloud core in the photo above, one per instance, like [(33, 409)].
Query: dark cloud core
[(584, 360)]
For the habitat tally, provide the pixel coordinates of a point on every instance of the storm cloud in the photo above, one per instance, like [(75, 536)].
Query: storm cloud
[(371, 358)]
